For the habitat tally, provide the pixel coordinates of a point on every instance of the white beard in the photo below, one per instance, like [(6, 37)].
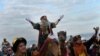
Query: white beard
[(44, 27), (45, 24)]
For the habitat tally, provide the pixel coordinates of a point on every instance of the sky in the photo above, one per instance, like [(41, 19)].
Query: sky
[(80, 16)]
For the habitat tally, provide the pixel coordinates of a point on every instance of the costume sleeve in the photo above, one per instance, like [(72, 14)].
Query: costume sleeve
[(53, 25), (36, 26)]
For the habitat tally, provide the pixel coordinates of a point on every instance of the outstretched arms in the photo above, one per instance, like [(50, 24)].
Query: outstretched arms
[(59, 19)]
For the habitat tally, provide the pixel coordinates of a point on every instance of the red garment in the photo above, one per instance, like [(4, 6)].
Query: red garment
[(44, 47)]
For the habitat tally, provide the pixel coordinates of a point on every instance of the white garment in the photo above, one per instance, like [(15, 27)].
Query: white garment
[(51, 36)]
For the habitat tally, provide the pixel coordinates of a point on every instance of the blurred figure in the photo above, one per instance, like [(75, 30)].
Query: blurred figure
[(45, 28), (33, 50), (78, 47), (70, 39), (10, 51), (19, 47), (34, 47), (1, 53), (99, 44), (95, 50), (4, 50), (62, 38), (89, 42), (99, 38), (5, 43)]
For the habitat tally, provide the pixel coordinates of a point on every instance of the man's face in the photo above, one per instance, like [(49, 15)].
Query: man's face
[(44, 19), (10, 51), (21, 48), (62, 37)]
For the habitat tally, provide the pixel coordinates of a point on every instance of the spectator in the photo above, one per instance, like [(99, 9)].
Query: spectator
[(4, 50), (10, 51), (78, 47), (89, 42), (19, 47), (5, 42), (62, 38)]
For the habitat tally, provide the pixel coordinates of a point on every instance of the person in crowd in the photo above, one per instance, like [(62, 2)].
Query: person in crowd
[(33, 50), (45, 28), (19, 47), (78, 47), (4, 50), (10, 51), (5, 43), (62, 38), (34, 47), (89, 42), (95, 50), (99, 44), (71, 38), (1, 53)]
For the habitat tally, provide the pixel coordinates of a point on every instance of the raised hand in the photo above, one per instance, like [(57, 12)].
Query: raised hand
[(28, 20), (61, 16), (32, 23), (59, 19), (96, 29)]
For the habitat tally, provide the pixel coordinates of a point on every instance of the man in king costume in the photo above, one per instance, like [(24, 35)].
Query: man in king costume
[(45, 28)]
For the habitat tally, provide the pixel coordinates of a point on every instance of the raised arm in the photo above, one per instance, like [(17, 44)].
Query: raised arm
[(92, 39), (32, 23), (96, 30), (59, 19)]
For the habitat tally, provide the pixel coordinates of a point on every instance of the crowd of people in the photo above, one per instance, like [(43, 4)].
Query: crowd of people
[(47, 46)]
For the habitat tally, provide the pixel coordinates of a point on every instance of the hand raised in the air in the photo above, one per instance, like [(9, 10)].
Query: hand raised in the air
[(96, 29), (28, 20)]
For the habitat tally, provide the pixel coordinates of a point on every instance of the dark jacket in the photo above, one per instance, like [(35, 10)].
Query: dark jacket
[(90, 42), (87, 44)]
